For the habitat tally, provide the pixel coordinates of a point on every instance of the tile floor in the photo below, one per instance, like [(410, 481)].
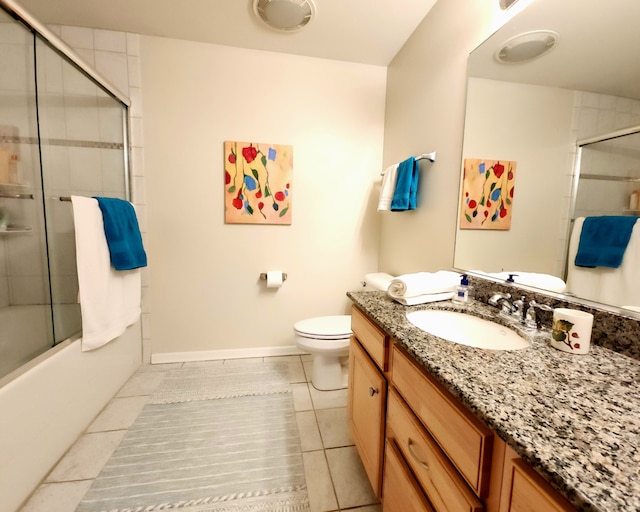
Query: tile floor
[(336, 480)]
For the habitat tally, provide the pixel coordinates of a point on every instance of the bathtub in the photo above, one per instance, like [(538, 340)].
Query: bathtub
[(26, 332)]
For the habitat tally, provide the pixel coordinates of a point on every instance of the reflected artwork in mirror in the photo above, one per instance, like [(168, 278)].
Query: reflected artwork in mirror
[(548, 112)]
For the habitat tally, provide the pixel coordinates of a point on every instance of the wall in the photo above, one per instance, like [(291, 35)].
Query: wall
[(426, 89), (206, 298)]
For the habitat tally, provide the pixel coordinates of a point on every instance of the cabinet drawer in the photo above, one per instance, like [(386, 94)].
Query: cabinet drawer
[(446, 490), (375, 341), (465, 439), (400, 492), (530, 493)]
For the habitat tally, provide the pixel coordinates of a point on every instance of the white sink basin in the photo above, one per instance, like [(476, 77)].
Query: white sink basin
[(467, 329)]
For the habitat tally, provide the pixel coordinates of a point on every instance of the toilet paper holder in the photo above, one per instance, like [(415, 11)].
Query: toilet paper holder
[(263, 276)]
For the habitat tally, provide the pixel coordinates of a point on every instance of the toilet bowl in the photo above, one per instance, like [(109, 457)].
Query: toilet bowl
[(326, 338)]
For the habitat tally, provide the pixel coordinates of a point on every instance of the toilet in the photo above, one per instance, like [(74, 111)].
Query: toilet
[(326, 338)]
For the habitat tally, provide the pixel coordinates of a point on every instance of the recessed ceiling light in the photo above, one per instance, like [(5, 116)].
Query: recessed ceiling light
[(527, 46), (284, 15)]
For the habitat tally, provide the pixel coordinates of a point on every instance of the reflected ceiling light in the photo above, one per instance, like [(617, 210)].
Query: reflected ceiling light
[(284, 15), (527, 46)]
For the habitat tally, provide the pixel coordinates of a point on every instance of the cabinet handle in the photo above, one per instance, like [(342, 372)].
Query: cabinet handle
[(372, 391), (410, 444)]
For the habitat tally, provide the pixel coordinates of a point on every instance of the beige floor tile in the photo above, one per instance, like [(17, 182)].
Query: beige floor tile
[(301, 397), (349, 478), (307, 365), (202, 364), (142, 383), (328, 399), (310, 439), (282, 359), (369, 508), (306, 358), (321, 495), (162, 367), (334, 427), (86, 457), (61, 497), (247, 360), (119, 414)]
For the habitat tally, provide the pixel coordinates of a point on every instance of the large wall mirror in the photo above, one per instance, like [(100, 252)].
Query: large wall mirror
[(541, 114)]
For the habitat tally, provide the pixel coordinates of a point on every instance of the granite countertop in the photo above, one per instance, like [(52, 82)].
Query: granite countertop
[(574, 418)]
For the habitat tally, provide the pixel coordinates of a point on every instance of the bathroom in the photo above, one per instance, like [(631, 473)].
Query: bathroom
[(203, 283)]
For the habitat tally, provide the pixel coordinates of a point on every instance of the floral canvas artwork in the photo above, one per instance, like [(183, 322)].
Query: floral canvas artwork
[(257, 183), (487, 194)]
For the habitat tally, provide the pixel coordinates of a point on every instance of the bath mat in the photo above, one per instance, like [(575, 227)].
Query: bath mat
[(238, 452), (202, 383)]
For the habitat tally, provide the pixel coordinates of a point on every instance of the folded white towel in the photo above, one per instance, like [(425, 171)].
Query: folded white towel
[(388, 187), (423, 299), (109, 299), (423, 283)]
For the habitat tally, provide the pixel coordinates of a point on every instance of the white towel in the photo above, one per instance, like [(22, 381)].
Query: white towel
[(388, 187), (109, 299), (423, 299), (423, 283), (615, 286)]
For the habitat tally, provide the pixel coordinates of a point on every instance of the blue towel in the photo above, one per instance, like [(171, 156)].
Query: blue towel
[(404, 197), (603, 241), (123, 233)]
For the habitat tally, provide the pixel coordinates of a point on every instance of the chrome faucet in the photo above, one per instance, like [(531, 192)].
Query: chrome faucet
[(531, 319), (507, 306)]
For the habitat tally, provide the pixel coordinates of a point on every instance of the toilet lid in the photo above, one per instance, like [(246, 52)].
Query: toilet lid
[(325, 327)]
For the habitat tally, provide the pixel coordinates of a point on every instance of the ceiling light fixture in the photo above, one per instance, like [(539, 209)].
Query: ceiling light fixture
[(284, 15), (527, 46)]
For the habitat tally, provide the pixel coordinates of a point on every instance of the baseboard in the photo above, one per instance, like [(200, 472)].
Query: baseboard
[(233, 353)]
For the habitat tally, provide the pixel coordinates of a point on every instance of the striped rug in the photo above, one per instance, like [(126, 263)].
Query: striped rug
[(221, 439)]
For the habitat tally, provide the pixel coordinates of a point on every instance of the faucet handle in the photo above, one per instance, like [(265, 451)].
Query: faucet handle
[(531, 320)]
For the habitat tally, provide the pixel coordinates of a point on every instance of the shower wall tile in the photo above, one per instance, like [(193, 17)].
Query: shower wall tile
[(137, 161), (77, 37), (135, 95), (133, 67), (133, 44), (85, 169), (110, 40), (114, 67), (28, 290), (137, 137), (82, 119)]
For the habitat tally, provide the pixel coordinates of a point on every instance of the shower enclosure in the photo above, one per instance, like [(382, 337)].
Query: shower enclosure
[(63, 131)]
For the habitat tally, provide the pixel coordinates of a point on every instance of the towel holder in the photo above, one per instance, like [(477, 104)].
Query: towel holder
[(424, 156)]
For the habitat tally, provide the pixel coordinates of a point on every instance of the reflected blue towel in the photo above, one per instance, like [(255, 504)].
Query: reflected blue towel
[(404, 197), (123, 233), (603, 241)]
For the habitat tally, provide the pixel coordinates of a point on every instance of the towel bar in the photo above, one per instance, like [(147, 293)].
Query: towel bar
[(425, 156)]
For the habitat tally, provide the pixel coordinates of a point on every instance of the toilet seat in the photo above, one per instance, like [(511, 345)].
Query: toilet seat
[(327, 328)]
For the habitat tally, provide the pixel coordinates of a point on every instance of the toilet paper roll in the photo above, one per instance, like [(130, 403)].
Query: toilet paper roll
[(571, 331), (274, 279)]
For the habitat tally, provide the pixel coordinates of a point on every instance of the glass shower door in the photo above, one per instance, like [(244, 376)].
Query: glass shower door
[(25, 314), (82, 137)]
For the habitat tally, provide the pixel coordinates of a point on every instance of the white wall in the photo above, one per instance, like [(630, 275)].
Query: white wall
[(425, 112), (530, 125), (204, 287)]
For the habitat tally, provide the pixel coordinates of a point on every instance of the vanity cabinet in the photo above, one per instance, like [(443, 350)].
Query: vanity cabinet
[(368, 360), (422, 449), (526, 491)]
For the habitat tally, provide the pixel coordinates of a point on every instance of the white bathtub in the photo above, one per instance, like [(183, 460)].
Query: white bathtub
[(25, 332)]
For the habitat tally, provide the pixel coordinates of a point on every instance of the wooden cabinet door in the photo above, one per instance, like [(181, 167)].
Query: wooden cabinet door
[(367, 402), (401, 492)]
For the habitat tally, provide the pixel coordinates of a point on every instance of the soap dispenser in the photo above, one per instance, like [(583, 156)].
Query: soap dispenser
[(463, 292)]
